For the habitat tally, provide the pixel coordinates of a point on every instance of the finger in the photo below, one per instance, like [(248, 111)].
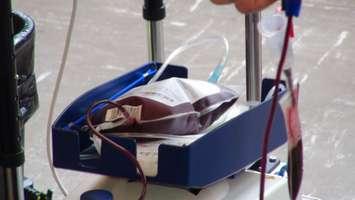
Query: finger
[(247, 6), (222, 1)]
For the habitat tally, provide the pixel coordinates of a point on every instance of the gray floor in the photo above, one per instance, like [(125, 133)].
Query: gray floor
[(109, 39)]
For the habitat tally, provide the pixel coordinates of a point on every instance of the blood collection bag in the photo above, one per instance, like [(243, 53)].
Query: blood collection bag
[(174, 106), (289, 105)]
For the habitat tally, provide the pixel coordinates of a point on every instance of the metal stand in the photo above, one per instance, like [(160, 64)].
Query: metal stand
[(11, 150), (154, 13), (13, 183), (155, 40), (253, 58)]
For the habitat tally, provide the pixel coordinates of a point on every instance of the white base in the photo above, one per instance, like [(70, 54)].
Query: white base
[(245, 186)]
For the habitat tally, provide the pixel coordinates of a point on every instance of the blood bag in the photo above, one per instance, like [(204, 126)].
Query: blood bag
[(174, 106)]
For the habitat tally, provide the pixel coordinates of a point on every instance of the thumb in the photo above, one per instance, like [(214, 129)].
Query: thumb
[(222, 1)]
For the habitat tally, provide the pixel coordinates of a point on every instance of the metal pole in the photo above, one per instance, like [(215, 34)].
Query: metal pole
[(13, 183), (253, 58), (154, 13), (11, 150), (155, 41)]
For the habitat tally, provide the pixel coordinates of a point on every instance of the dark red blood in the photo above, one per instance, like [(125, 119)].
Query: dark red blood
[(295, 169)]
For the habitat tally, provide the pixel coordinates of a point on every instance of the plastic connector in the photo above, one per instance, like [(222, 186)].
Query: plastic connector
[(292, 7)]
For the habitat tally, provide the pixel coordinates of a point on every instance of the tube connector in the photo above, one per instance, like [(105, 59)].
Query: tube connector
[(292, 7)]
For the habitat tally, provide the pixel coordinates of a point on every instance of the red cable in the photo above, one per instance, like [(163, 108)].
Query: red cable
[(273, 108), (118, 147)]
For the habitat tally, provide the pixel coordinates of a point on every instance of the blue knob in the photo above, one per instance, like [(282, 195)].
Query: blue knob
[(97, 195)]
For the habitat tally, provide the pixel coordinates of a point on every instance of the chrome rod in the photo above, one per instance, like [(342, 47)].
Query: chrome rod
[(253, 57), (155, 40), (12, 183)]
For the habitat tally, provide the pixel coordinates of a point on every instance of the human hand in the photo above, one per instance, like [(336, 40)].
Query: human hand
[(247, 6)]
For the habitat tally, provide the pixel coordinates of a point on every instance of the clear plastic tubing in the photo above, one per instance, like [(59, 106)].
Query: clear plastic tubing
[(216, 73), (272, 28)]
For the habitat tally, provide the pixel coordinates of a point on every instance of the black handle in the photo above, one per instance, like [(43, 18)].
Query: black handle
[(154, 10)]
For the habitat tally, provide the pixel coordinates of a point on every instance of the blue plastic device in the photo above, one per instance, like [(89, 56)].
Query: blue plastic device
[(292, 7), (97, 195), (218, 155)]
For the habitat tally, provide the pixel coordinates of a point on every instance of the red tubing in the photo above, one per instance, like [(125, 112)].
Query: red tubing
[(118, 147), (273, 108)]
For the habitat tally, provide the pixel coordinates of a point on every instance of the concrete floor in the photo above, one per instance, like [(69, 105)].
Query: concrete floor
[(109, 39)]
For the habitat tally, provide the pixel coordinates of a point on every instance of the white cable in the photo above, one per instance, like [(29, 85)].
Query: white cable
[(218, 70), (55, 96), (192, 43)]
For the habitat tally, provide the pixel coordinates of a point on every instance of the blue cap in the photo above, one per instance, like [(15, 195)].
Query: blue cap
[(292, 7), (97, 195)]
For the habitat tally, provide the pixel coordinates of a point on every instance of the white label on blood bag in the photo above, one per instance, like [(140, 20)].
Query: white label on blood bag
[(168, 92), (114, 114), (174, 91)]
